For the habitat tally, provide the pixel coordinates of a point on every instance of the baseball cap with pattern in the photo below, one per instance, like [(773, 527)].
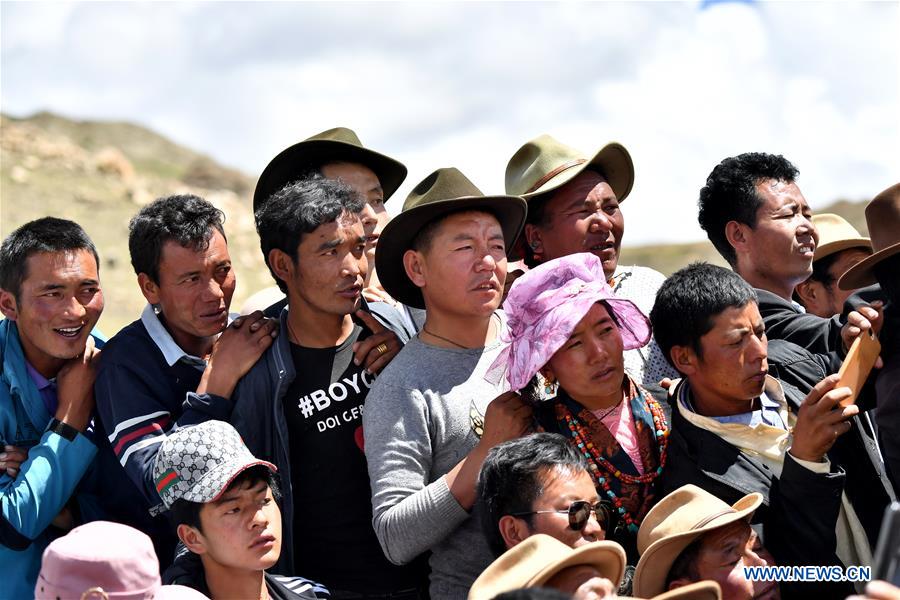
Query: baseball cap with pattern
[(199, 462)]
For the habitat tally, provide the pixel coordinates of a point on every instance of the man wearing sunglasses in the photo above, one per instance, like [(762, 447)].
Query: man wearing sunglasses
[(539, 484)]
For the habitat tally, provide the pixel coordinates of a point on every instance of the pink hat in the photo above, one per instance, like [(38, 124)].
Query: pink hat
[(104, 560), (545, 305)]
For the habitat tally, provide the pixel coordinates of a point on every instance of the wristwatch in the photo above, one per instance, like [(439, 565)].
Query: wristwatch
[(63, 429)]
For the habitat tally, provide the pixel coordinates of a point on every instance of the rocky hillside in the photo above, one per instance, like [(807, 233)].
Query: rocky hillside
[(100, 174)]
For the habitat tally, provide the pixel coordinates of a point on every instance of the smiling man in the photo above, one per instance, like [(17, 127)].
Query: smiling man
[(51, 299), (158, 369), (735, 429), (574, 206), (226, 513), (432, 416)]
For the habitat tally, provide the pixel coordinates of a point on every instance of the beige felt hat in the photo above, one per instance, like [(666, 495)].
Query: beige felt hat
[(702, 590), (538, 558), (837, 234), (337, 144), (675, 522), (545, 164), (883, 220), (443, 192)]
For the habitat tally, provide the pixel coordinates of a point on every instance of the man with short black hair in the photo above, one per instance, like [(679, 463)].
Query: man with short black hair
[(300, 407), (223, 503), (51, 299), (432, 416), (757, 218), (181, 353), (734, 429), (539, 484)]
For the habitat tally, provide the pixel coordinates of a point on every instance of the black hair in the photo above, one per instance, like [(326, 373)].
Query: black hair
[(47, 234), (730, 194), (512, 478), (689, 300), (685, 564), (301, 207), (421, 242), (188, 513), (186, 219)]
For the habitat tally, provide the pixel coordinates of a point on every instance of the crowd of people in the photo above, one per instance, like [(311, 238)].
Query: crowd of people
[(473, 399)]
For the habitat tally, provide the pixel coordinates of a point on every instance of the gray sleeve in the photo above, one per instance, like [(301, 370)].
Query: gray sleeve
[(409, 514)]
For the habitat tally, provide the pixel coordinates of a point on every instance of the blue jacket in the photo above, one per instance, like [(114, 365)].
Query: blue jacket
[(46, 481)]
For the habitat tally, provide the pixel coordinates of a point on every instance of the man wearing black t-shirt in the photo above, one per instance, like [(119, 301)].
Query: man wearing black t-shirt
[(301, 405)]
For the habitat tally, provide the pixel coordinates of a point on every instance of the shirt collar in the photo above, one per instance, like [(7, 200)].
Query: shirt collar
[(171, 351), (39, 380)]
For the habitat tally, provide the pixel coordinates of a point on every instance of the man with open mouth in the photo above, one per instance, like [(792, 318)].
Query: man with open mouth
[(51, 299), (573, 206)]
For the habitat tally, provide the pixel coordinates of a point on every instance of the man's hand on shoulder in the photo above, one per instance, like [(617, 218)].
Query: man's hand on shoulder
[(75, 387), (236, 351), (377, 350)]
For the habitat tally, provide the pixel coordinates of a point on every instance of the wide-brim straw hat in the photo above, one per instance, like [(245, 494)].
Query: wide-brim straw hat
[(674, 523), (338, 144), (837, 234), (535, 560), (883, 220), (545, 164), (443, 192)]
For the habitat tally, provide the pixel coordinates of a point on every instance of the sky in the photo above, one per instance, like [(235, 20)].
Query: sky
[(434, 84)]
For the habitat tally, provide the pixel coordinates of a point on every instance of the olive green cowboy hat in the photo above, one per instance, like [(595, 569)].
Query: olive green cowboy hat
[(338, 144), (545, 164), (443, 192), (883, 220)]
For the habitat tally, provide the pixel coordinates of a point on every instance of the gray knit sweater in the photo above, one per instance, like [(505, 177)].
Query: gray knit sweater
[(418, 426)]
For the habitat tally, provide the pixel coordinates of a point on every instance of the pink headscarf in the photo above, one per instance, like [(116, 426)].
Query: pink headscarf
[(546, 304)]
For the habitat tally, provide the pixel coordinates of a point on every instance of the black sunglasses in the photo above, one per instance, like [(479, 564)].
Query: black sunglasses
[(579, 512)]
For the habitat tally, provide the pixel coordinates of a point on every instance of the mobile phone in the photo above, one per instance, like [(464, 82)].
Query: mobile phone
[(858, 363), (887, 554)]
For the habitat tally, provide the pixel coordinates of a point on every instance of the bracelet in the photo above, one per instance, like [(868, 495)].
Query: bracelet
[(63, 429)]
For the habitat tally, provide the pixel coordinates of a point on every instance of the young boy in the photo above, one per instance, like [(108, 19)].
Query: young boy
[(223, 503)]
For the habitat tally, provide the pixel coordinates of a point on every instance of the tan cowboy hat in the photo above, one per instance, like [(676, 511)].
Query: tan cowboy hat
[(443, 192), (702, 590), (338, 144), (538, 558), (675, 522), (545, 164), (837, 234), (883, 220)]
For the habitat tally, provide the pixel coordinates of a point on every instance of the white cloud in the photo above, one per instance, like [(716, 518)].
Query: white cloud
[(465, 84)]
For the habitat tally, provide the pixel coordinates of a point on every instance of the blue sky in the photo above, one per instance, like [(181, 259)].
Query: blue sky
[(681, 85)]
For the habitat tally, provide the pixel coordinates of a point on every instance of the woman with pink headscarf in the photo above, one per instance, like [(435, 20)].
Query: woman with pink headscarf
[(566, 325)]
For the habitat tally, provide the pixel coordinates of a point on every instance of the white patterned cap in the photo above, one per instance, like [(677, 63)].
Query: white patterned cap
[(199, 462)]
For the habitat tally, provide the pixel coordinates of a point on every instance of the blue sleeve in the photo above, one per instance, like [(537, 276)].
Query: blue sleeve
[(43, 485)]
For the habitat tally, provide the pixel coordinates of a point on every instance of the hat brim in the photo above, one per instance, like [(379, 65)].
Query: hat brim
[(613, 160), (860, 274), (398, 235), (840, 245), (211, 487), (656, 562), (290, 164), (607, 557)]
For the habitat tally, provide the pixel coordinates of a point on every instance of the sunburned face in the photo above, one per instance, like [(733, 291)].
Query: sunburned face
[(58, 304), (581, 216), (561, 489), (194, 291), (731, 373), (240, 531), (590, 366), (722, 557)]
